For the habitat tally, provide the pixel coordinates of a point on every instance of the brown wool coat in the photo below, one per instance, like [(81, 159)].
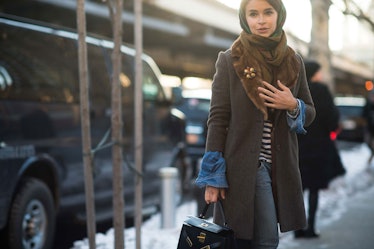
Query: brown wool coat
[(235, 128)]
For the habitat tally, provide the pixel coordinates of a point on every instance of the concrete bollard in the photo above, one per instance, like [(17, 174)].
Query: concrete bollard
[(169, 176)]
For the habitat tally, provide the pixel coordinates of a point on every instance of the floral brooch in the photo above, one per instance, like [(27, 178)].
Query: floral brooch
[(249, 72)]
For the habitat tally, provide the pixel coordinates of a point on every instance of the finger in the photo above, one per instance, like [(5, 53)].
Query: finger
[(208, 197), (266, 98), (269, 92), (271, 105), (222, 193), (270, 87), (265, 91), (282, 86), (211, 194)]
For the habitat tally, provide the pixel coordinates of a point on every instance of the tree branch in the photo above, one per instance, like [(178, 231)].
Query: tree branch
[(353, 9)]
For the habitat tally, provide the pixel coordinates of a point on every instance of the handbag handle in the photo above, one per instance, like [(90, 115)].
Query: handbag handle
[(205, 209)]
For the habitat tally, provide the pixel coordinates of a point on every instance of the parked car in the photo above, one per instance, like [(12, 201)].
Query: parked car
[(41, 169), (195, 106), (352, 122)]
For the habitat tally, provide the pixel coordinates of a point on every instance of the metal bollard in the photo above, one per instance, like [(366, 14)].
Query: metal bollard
[(169, 177)]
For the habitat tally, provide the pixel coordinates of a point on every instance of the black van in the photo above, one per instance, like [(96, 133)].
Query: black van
[(41, 170)]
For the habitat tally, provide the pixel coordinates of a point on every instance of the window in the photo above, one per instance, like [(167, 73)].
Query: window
[(151, 86), (41, 66)]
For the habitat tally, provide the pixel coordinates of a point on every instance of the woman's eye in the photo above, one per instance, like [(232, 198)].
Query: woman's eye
[(252, 14), (269, 13)]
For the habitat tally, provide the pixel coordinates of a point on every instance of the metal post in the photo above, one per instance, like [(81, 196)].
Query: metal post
[(169, 177), (138, 119)]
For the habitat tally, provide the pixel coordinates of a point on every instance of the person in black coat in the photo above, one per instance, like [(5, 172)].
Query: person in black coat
[(319, 159), (368, 114)]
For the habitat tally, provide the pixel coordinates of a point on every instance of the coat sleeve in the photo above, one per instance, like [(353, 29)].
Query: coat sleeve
[(303, 93), (219, 115)]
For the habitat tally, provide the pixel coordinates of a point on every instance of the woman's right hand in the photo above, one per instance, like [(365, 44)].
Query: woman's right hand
[(212, 194)]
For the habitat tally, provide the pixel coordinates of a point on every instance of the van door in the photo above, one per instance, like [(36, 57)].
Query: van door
[(40, 106)]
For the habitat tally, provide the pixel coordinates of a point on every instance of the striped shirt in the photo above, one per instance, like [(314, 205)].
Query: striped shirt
[(265, 152)]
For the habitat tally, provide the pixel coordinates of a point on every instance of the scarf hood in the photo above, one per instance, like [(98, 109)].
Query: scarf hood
[(257, 58)]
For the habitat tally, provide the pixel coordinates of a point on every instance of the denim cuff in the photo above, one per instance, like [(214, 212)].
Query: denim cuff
[(296, 124), (212, 171)]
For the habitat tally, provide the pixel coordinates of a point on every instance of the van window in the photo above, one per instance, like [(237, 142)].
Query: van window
[(152, 90), (99, 75), (127, 79), (38, 65), (5, 79)]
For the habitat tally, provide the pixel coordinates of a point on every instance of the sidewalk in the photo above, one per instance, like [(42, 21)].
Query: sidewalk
[(352, 230), (345, 217)]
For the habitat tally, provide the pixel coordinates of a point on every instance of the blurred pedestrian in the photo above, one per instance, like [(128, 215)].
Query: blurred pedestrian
[(369, 117), (260, 100), (318, 156)]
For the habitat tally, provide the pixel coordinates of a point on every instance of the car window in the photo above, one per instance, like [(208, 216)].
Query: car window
[(127, 79), (351, 111), (99, 75), (195, 104), (198, 104), (24, 61), (5, 79), (152, 90)]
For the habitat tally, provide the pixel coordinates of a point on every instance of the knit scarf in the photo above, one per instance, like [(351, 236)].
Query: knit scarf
[(258, 58)]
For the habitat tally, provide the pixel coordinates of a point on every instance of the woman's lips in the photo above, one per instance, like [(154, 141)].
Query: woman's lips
[(263, 30)]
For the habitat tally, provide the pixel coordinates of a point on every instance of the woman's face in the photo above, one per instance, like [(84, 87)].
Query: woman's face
[(261, 17)]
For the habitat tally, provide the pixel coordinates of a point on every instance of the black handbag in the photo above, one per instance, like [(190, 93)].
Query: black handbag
[(198, 233)]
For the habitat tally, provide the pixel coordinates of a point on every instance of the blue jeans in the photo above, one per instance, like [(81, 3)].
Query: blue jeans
[(266, 234)]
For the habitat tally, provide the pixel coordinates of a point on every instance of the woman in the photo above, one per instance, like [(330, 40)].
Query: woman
[(319, 158), (260, 99)]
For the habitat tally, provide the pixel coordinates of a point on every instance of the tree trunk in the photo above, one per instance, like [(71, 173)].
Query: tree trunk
[(85, 124), (118, 197), (319, 49)]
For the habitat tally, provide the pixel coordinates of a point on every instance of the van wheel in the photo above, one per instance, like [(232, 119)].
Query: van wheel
[(32, 217)]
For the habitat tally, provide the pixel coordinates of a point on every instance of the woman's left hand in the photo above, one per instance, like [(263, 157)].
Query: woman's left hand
[(277, 98)]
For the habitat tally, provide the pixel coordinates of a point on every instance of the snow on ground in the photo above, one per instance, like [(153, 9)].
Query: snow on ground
[(358, 177)]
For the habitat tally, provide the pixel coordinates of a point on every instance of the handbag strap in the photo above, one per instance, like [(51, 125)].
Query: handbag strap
[(207, 205)]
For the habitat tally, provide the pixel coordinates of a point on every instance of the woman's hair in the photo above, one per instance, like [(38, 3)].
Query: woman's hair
[(276, 4)]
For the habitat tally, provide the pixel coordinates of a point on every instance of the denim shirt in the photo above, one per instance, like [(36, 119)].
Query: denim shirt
[(212, 171), (296, 124)]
